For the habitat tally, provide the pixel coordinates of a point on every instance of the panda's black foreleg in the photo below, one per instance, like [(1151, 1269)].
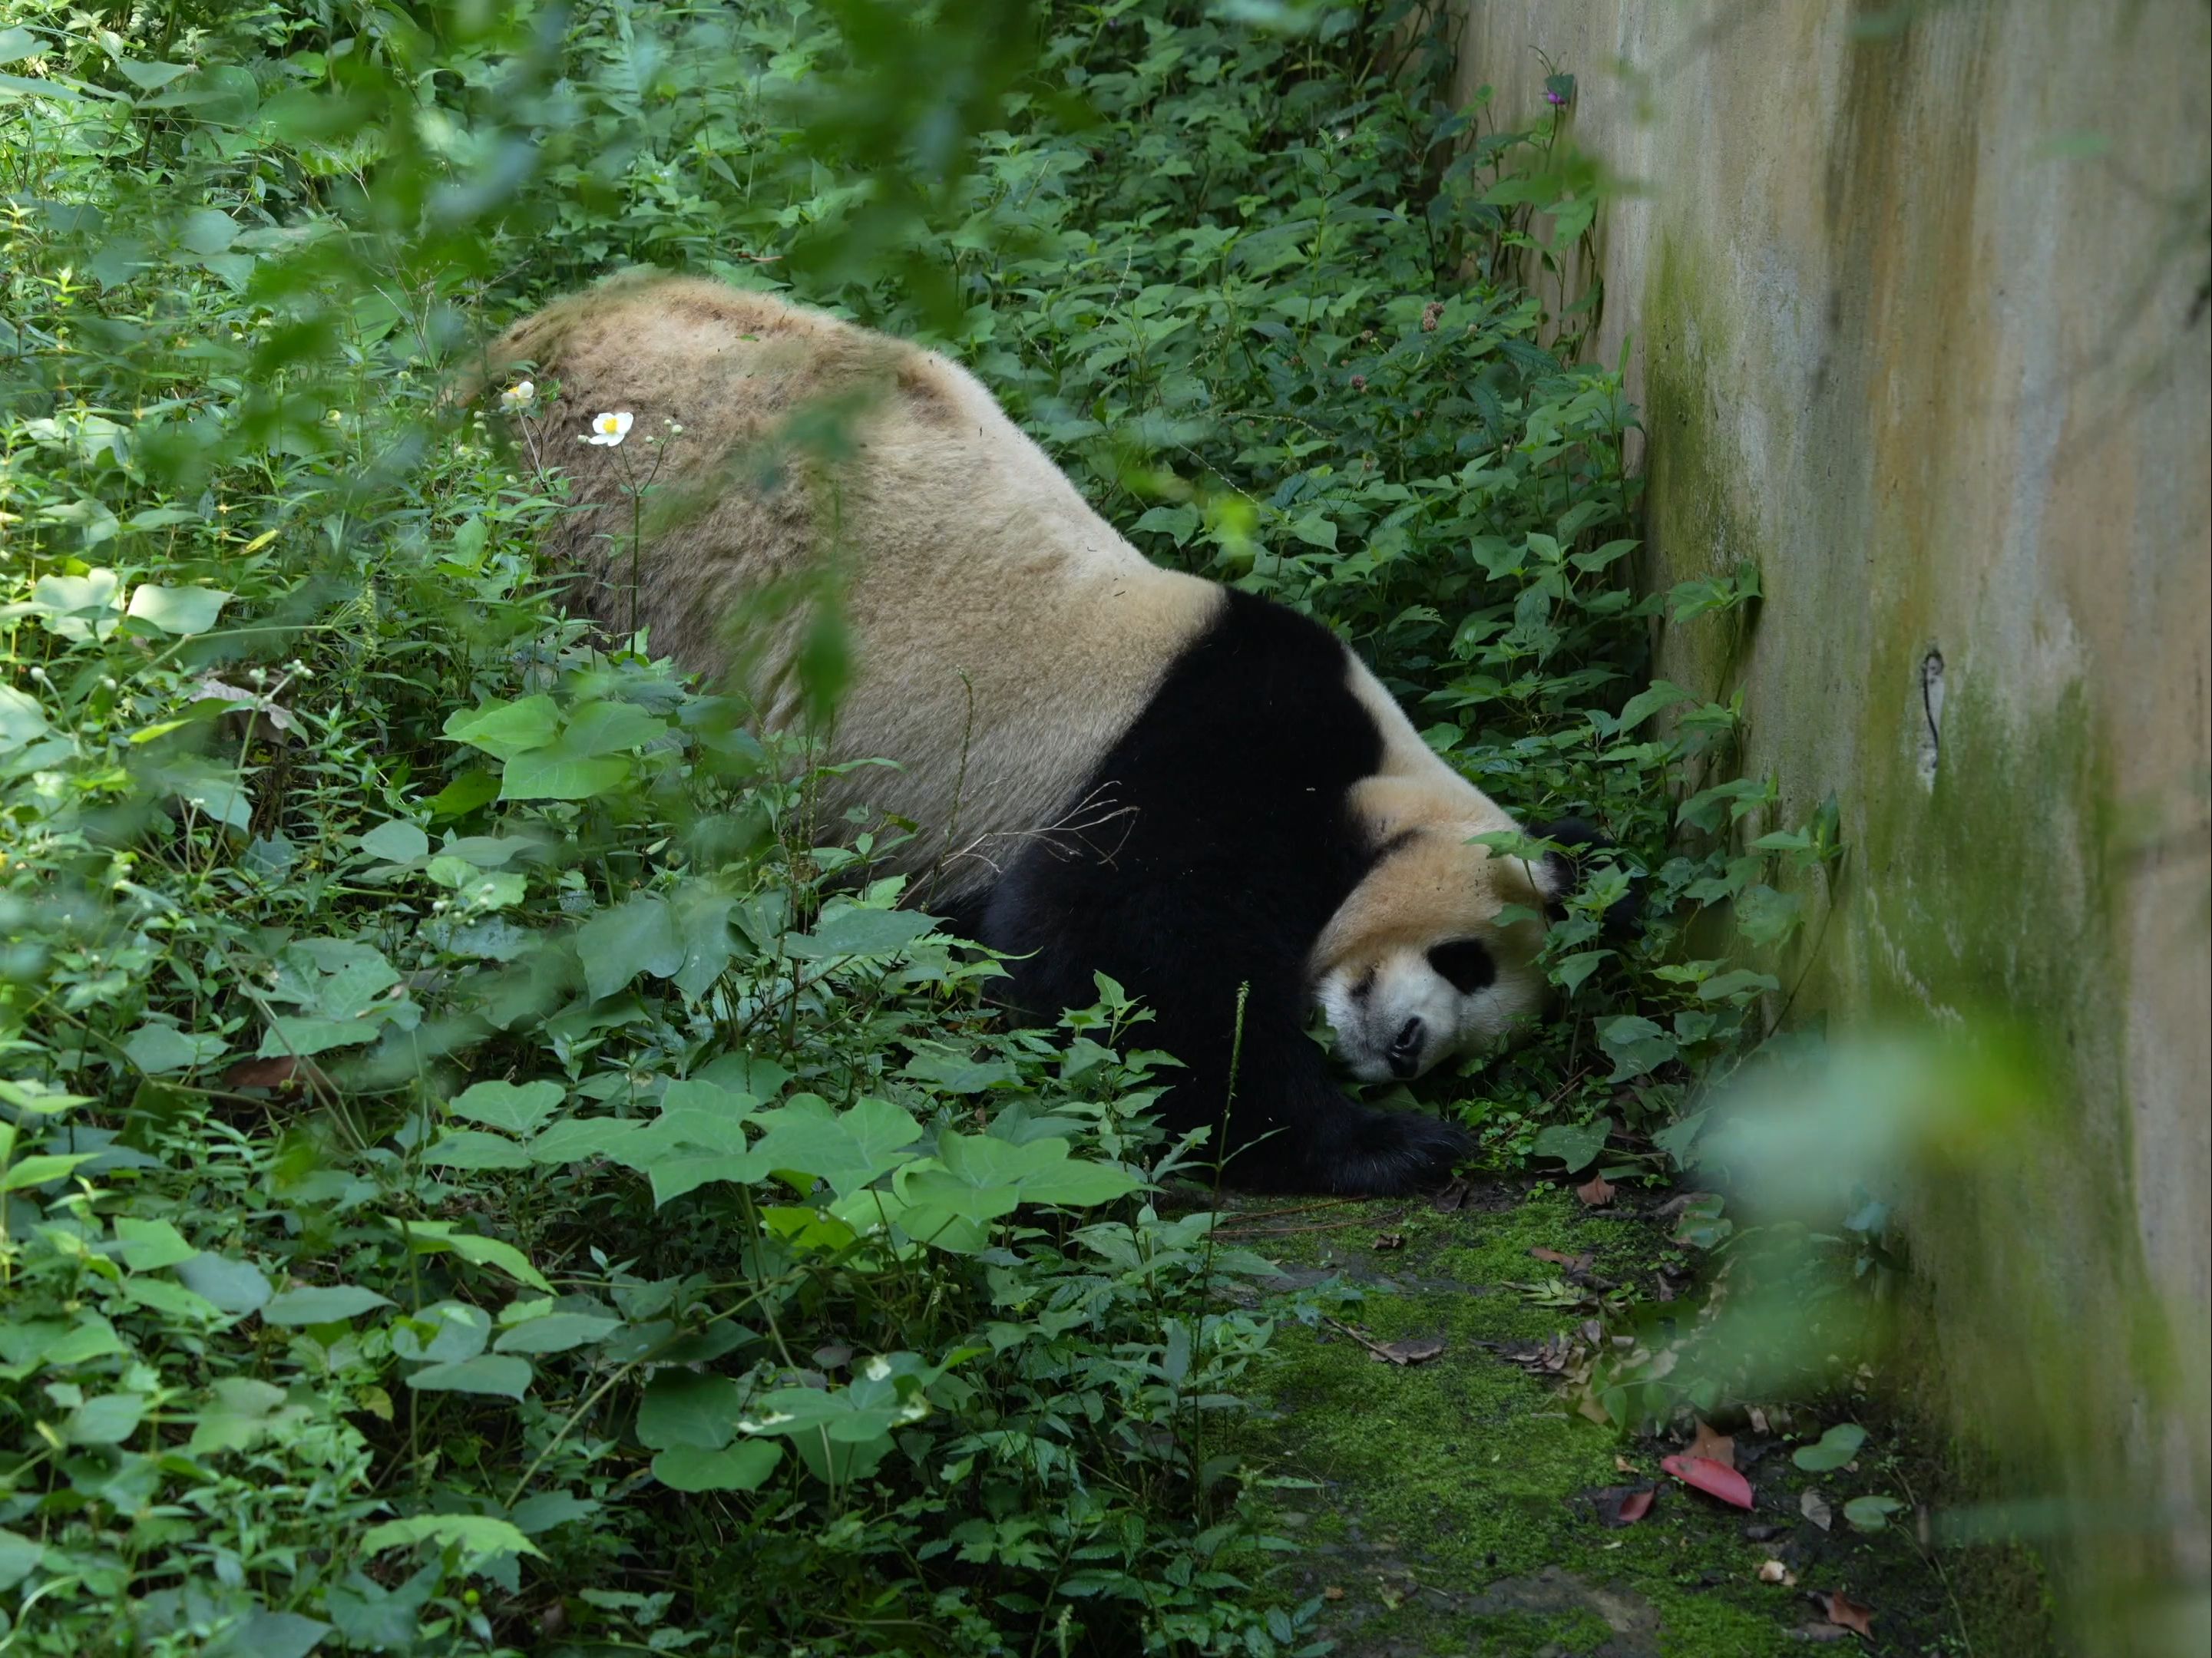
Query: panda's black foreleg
[(1288, 1128)]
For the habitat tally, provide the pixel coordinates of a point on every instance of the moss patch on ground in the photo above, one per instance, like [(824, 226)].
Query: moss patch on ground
[(1447, 1507)]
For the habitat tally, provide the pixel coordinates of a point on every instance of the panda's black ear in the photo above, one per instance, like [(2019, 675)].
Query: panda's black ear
[(1578, 838)]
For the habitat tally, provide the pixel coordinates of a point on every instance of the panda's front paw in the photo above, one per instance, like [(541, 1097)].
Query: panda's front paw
[(1388, 1154)]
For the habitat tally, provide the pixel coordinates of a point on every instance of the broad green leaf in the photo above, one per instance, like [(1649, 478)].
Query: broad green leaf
[(557, 1333), (1576, 1144), (740, 1467), (18, 1554), (295, 1036), (684, 1408), (512, 1108), (325, 1305), (1660, 695), (859, 933), (683, 1172), (37, 1171), (444, 1334), (396, 841), (159, 1049), (546, 775), (577, 1138), (476, 1536), (431, 1236), (108, 1420), (504, 729), (266, 1634), (1636, 1046), (235, 1286), (847, 1148), (1871, 1513), (598, 728), (1734, 983), (147, 1246), (953, 1072), (1833, 1449), (703, 924), (146, 76), (172, 1299), (22, 719), (240, 1413), (638, 936), (487, 1372), (471, 1147), (1766, 917), (180, 610), (547, 1509)]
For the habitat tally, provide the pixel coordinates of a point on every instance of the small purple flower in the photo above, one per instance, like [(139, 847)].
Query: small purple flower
[(1557, 100)]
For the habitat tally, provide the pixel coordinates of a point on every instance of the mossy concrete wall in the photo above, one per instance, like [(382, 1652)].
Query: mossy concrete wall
[(1914, 302)]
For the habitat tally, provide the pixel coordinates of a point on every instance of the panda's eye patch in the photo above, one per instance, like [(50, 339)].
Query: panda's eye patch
[(1466, 963)]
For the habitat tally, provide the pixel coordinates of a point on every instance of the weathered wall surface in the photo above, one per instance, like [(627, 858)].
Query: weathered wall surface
[(1915, 298)]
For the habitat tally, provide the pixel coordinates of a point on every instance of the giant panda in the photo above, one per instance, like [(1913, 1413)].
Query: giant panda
[(1119, 768)]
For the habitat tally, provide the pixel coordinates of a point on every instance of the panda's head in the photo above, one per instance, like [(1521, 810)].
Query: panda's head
[(1427, 959)]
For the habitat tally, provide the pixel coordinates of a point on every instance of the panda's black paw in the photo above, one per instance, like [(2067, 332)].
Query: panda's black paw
[(1388, 1154)]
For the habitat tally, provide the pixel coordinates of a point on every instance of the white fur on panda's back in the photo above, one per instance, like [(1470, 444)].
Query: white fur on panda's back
[(1004, 636)]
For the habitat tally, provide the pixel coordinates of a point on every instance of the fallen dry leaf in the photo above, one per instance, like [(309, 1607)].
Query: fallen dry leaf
[(1757, 1420), (1710, 1478), (1622, 1465), (1390, 1241), (1452, 1199), (1814, 1508), (1418, 1351), (1573, 1263), (1595, 1194), (1714, 1447), (1332, 1593), (1773, 1571), (1847, 1614), (282, 1073)]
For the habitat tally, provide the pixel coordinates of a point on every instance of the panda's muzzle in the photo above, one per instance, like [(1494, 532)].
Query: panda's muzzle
[(1404, 1053)]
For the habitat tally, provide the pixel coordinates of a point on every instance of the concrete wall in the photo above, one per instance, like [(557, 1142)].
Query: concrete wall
[(1915, 299)]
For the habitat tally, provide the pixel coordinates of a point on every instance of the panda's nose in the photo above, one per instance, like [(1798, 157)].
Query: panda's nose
[(1405, 1054)]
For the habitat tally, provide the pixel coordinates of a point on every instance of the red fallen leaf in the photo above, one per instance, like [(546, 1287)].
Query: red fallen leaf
[(1597, 1193), (1710, 1478), (1621, 1505), (1714, 1447), (1848, 1613)]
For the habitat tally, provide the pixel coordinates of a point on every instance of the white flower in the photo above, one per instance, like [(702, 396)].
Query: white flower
[(608, 430), (772, 1419), (877, 1369), (914, 1410), (518, 396)]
